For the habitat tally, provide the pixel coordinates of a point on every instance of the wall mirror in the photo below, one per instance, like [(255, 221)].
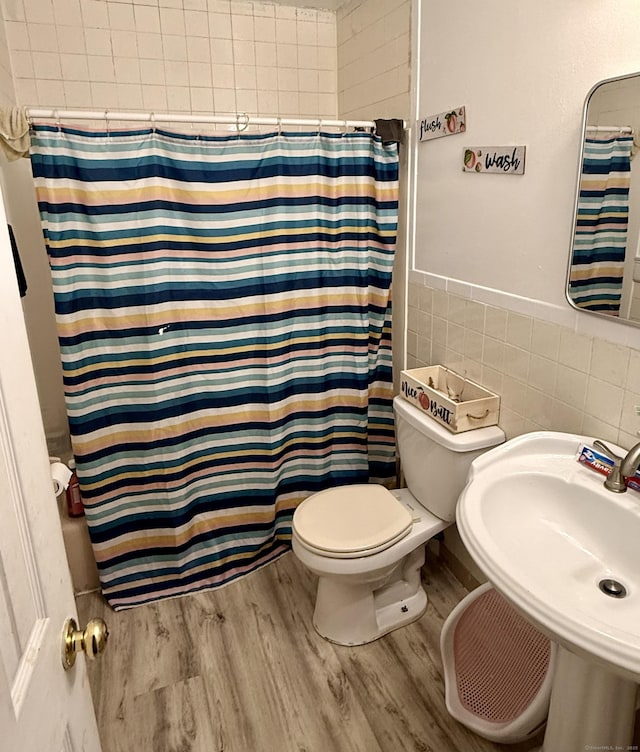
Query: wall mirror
[(604, 267)]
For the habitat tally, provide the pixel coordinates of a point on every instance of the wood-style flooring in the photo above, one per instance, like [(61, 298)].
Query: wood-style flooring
[(241, 669)]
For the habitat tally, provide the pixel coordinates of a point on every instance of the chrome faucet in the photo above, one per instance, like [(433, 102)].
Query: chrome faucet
[(623, 467)]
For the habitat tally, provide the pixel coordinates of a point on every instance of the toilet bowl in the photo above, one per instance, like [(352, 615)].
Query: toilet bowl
[(366, 544)]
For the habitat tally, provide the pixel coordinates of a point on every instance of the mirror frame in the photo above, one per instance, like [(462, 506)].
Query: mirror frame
[(583, 131)]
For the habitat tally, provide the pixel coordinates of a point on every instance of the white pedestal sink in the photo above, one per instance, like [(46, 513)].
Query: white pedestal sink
[(553, 541)]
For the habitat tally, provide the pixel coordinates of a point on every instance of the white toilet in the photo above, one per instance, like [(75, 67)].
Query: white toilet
[(367, 544)]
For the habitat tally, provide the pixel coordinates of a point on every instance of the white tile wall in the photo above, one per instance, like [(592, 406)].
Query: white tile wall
[(203, 56), (177, 55), (7, 92), (374, 73), (550, 376), (374, 43)]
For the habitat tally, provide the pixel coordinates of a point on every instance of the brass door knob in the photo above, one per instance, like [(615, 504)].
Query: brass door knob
[(92, 640)]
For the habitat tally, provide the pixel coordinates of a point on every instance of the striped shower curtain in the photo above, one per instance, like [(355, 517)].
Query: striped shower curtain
[(600, 240), (223, 311)]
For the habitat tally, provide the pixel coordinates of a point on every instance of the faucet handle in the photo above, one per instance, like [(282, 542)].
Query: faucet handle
[(615, 480), (609, 452)]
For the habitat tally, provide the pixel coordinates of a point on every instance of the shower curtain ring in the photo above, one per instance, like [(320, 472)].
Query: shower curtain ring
[(279, 124), (106, 121), (152, 118), (319, 125), (244, 124), (56, 115)]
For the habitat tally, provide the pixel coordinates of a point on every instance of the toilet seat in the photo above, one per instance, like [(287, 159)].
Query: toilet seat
[(351, 521)]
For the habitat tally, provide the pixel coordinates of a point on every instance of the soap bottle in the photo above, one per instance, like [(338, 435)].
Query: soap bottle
[(75, 507)]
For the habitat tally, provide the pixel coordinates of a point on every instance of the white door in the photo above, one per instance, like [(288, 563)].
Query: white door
[(43, 708)]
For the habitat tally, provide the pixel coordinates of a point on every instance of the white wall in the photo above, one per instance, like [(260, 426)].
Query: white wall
[(20, 203), (38, 310), (486, 295), (38, 304), (523, 70), (183, 55), (494, 248)]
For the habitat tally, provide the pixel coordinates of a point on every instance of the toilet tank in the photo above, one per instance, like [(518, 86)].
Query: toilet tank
[(435, 461)]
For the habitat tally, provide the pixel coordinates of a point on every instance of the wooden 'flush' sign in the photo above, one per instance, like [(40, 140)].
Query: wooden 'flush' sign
[(443, 124), (505, 160)]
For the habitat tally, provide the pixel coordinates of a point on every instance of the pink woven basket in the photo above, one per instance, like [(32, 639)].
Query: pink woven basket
[(497, 667)]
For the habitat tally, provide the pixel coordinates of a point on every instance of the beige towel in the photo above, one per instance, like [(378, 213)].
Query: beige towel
[(14, 133)]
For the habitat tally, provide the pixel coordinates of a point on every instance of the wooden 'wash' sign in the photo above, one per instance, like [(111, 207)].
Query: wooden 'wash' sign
[(504, 160)]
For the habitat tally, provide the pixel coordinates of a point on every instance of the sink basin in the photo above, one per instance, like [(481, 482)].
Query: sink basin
[(546, 532)]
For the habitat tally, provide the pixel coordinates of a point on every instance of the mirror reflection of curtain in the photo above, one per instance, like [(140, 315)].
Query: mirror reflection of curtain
[(601, 228)]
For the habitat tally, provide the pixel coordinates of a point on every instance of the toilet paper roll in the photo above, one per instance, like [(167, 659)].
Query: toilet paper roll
[(60, 475)]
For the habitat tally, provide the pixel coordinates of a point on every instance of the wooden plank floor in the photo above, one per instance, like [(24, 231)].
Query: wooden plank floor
[(241, 669)]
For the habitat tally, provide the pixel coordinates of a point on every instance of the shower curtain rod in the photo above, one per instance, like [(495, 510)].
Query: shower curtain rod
[(609, 128), (241, 121)]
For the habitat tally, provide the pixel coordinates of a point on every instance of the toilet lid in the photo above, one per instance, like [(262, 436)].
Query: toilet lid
[(351, 520)]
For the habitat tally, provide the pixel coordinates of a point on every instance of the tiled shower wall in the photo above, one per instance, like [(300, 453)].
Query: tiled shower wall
[(7, 92), (199, 56), (187, 56), (549, 376), (374, 59)]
